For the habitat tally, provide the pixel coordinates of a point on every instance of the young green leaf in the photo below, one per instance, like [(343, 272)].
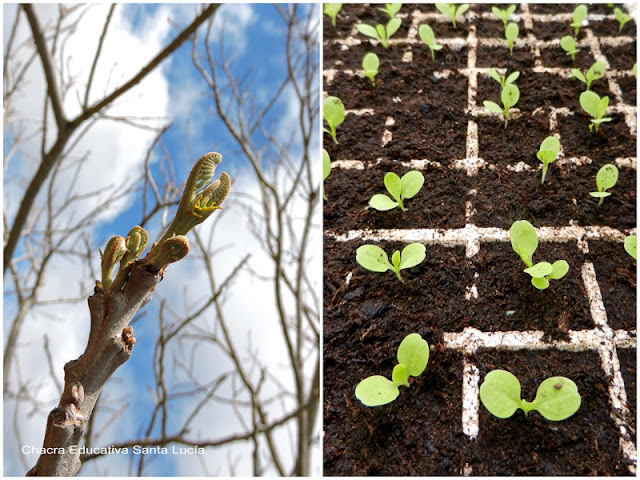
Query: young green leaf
[(621, 17), (569, 46), (400, 189), (427, 36), (370, 64), (375, 258), (450, 10), (412, 255), (596, 107), (513, 76), (503, 14), (413, 355), (548, 153), (326, 169), (509, 96), (557, 398), (606, 178), (510, 34), (579, 14), (524, 240), (594, 73), (334, 114), (635, 69), (631, 246), (391, 9), (381, 33), (332, 10)]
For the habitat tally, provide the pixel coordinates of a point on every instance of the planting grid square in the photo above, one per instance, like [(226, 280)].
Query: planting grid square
[(611, 335)]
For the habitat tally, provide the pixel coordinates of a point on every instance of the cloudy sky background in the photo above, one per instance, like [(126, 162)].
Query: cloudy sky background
[(254, 34)]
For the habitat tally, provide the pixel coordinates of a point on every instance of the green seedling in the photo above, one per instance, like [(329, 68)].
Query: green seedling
[(548, 153), (452, 11), (594, 73), (391, 9), (606, 178), (333, 112), (579, 14), (635, 69), (370, 64), (381, 33), (509, 96), (569, 46), (503, 14), (326, 169), (631, 246), (426, 34), (332, 10), (510, 34), (524, 241), (596, 107), (513, 76), (375, 259), (400, 188), (557, 398), (413, 355), (621, 17)]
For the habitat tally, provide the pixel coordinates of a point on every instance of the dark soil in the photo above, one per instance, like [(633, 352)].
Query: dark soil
[(367, 314)]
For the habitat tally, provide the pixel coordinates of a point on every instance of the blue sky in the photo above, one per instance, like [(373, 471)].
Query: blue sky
[(254, 36)]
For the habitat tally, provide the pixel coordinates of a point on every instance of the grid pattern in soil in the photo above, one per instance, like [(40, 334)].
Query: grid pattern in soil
[(473, 163)]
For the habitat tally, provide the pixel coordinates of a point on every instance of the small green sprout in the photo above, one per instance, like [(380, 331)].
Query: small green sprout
[(557, 398), (548, 153), (503, 14), (579, 14), (326, 169), (569, 46), (509, 96), (333, 112), (510, 34), (596, 107), (413, 355), (631, 246), (635, 69), (451, 11), (426, 34), (332, 10), (513, 76), (524, 241), (391, 9), (400, 188), (594, 73), (375, 259), (380, 32), (370, 64), (621, 17), (606, 178)]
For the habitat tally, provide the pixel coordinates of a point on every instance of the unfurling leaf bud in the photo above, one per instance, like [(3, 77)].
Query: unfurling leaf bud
[(113, 253)]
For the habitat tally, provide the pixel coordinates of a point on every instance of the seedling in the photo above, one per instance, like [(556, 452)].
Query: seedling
[(426, 34), (621, 17), (510, 34), (375, 259), (513, 76), (333, 112), (391, 9), (606, 178), (524, 241), (509, 96), (326, 169), (557, 398), (332, 10), (548, 153), (596, 107), (413, 355), (579, 14), (380, 32), (400, 188), (370, 64), (631, 246), (594, 73), (503, 14), (452, 11), (569, 46)]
